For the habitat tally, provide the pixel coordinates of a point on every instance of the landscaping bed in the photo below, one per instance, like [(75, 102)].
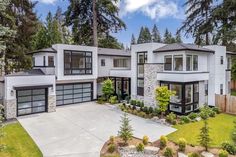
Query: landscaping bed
[(18, 143)]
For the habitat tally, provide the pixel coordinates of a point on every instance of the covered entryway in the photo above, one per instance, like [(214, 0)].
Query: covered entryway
[(31, 101), (74, 93)]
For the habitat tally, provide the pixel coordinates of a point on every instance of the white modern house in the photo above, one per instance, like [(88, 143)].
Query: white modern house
[(71, 74)]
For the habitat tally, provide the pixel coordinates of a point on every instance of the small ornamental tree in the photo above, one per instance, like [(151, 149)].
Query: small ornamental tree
[(163, 98), (204, 137), (107, 88), (126, 131), (1, 127)]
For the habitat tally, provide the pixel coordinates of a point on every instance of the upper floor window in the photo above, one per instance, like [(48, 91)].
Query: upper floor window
[(77, 62), (221, 60), (168, 63), (103, 62), (178, 62), (44, 61), (228, 63), (221, 89), (191, 63), (50, 61), (121, 62), (142, 57)]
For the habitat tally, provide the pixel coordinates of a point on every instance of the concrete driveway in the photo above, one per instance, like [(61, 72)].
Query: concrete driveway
[(80, 130)]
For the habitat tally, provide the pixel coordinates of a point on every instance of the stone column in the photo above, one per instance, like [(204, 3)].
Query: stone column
[(10, 108), (51, 103), (151, 82)]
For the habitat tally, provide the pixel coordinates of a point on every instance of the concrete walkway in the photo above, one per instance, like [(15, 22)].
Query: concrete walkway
[(80, 130)]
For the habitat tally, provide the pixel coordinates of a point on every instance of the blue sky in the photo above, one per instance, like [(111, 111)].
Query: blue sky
[(135, 13)]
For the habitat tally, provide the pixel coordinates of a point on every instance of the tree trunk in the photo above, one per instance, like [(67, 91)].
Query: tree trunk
[(207, 36), (95, 35)]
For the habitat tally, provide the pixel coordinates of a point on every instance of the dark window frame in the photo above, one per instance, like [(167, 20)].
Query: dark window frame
[(168, 64), (85, 57), (51, 62), (103, 63), (140, 90), (195, 103), (221, 60), (44, 60)]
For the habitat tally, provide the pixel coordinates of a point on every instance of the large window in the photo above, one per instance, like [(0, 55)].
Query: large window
[(141, 60), (50, 61), (195, 63), (178, 62), (177, 98), (120, 63), (189, 63), (168, 63), (77, 63)]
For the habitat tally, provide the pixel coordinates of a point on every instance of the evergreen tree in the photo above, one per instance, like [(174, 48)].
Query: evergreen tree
[(178, 37), (141, 36), (107, 88), (147, 35), (126, 131), (156, 37), (25, 22), (198, 22), (204, 137), (80, 15), (108, 41), (168, 39), (133, 40)]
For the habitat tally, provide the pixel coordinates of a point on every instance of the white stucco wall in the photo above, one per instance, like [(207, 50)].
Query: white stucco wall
[(104, 71), (39, 58), (11, 81)]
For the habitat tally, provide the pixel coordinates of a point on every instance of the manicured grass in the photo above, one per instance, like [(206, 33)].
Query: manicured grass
[(221, 128), (18, 142), (233, 92)]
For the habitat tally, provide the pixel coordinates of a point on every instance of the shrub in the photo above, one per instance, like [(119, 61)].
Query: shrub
[(163, 142), (124, 104), (112, 140), (107, 88), (230, 148), (157, 111), (134, 107), (185, 119), (212, 113), (113, 100), (145, 109), (142, 114), (142, 104), (140, 147), (168, 152), (122, 107), (150, 109), (223, 153), (138, 103), (133, 102), (145, 140), (100, 100), (192, 116), (216, 110), (205, 111), (127, 98), (193, 155), (182, 144), (170, 118), (111, 148)]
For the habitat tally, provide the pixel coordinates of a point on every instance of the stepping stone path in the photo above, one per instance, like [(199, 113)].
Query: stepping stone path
[(207, 154), (131, 151), (180, 154)]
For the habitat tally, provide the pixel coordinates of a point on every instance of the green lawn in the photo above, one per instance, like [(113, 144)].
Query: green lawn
[(18, 143), (233, 92), (220, 130)]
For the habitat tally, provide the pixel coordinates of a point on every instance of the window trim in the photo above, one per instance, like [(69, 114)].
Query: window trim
[(178, 56), (84, 56), (140, 90), (103, 63), (123, 61), (171, 64)]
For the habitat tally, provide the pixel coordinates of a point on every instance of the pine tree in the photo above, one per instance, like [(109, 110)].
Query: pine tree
[(141, 36), (204, 137), (133, 40), (198, 22), (167, 37), (147, 35), (80, 15), (156, 37), (178, 37), (126, 131)]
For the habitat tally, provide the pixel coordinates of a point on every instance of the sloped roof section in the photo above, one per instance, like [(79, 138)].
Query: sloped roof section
[(181, 47), (48, 50), (32, 72), (231, 53), (113, 52)]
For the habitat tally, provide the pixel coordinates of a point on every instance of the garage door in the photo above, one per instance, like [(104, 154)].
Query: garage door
[(74, 93), (31, 101)]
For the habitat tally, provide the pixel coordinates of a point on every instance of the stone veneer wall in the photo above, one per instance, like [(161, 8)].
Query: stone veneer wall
[(51, 103), (151, 82), (10, 108)]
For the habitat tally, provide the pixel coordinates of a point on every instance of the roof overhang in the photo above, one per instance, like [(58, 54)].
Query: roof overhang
[(194, 50)]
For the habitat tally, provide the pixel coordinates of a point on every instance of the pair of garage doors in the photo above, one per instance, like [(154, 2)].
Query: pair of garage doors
[(74, 93)]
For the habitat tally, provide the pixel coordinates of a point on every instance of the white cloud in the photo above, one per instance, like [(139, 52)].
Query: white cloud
[(155, 9), (47, 1)]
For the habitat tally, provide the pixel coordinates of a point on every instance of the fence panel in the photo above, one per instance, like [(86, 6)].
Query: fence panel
[(226, 103)]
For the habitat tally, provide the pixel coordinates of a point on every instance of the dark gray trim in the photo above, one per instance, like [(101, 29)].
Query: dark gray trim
[(167, 72), (32, 87), (184, 49), (44, 66), (115, 55)]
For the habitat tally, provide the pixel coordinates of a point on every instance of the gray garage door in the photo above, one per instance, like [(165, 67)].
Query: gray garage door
[(31, 101), (74, 93)]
